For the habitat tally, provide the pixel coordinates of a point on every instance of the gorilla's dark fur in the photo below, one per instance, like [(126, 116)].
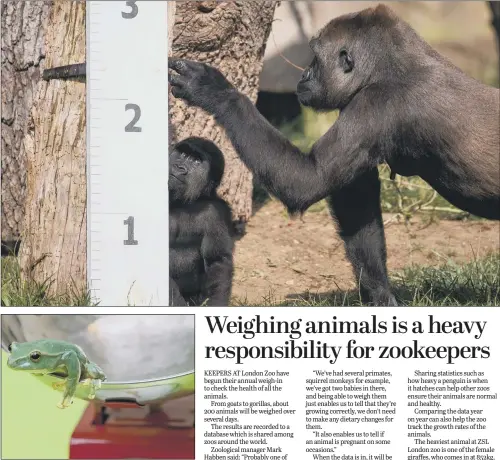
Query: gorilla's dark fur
[(400, 103), (201, 243)]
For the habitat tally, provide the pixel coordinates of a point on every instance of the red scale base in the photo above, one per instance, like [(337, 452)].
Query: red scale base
[(128, 431)]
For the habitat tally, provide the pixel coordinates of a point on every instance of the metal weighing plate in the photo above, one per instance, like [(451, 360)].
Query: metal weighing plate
[(146, 358)]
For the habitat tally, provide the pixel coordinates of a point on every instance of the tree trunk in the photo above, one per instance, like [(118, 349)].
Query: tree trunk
[(54, 233), (23, 50), (231, 36)]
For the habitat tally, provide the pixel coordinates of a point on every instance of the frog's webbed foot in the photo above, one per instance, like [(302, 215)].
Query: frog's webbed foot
[(93, 384), (65, 402)]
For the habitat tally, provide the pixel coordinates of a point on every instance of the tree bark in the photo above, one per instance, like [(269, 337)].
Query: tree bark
[(54, 236), (23, 52), (231, 36)]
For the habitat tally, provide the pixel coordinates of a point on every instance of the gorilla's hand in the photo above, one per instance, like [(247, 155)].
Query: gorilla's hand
[(198, 84)]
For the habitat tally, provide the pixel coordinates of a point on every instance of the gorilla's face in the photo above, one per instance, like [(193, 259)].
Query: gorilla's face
[(196, 166), (330, 80), (343, 64), (188, 176)]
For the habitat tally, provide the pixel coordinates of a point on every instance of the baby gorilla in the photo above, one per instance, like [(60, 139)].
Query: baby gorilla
[(201, 240)]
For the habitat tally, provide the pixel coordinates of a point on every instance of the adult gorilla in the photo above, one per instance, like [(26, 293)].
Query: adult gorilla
[(400, 102), (201, 243)]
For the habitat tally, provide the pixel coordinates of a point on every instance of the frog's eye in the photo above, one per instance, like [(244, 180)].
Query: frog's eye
[(35, 356), (9, 348)]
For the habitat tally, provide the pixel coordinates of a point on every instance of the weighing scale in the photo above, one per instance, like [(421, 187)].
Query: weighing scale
[(145, 408)]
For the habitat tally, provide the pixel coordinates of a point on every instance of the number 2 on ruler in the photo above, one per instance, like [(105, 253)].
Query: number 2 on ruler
[(131, 128)]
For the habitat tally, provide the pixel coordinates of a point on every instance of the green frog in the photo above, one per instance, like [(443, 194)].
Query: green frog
[(46, 356)]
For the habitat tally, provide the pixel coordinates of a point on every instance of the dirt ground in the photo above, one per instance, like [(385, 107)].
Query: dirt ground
[(280, 258)]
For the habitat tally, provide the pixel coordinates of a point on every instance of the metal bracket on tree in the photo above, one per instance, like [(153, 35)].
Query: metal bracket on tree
[(65, 71)]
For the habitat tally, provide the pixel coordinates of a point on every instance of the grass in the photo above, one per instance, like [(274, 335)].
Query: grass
[(18, 291), (472, 284), (476, 283)]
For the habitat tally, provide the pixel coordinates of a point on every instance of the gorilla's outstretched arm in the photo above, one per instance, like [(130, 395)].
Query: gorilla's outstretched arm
[(298, 180)]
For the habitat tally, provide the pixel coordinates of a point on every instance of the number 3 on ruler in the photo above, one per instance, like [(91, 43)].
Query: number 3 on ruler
[(130, 241), (134, 10)]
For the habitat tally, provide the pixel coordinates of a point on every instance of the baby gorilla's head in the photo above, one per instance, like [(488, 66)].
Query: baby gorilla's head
[(196, 167)]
